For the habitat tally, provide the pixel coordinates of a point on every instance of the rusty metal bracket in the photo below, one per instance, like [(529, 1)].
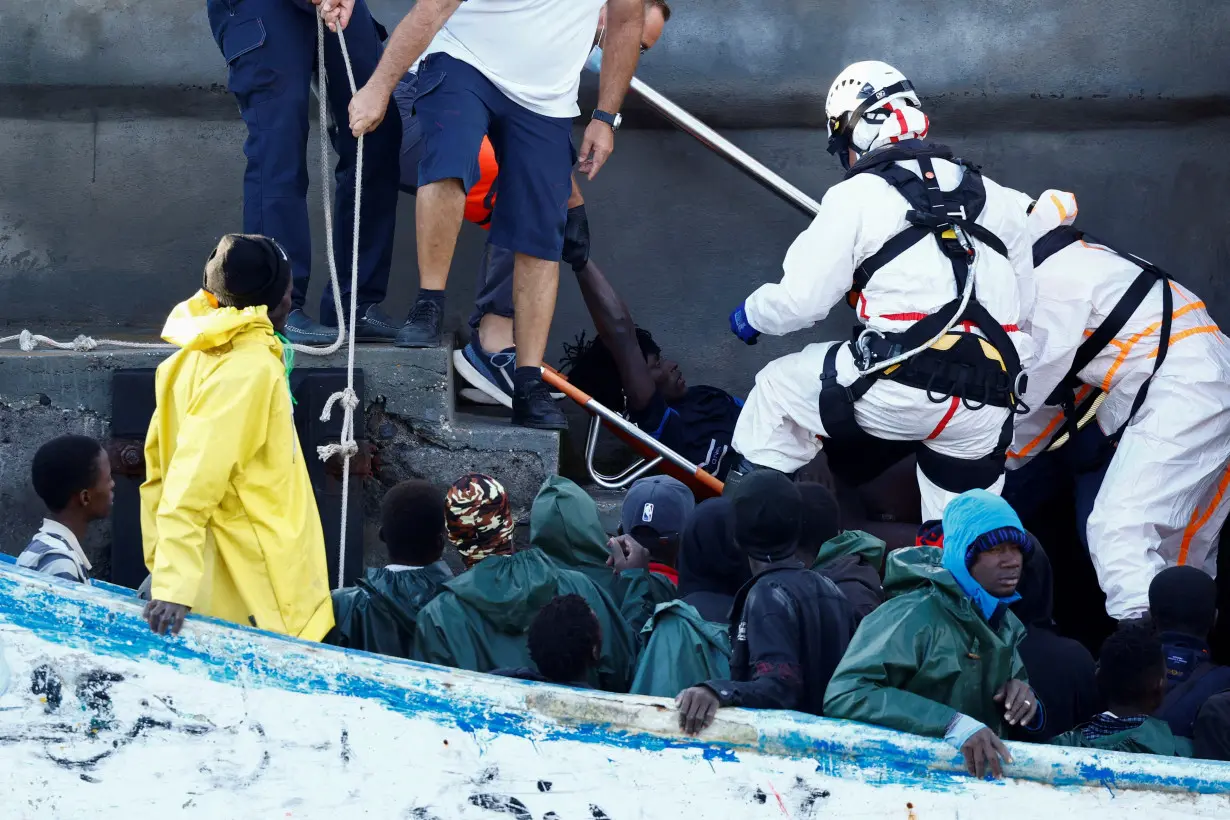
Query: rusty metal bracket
[(127, 457), (362, 465)]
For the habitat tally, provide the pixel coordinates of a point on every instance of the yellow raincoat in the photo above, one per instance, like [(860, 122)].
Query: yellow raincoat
[(228, 518)]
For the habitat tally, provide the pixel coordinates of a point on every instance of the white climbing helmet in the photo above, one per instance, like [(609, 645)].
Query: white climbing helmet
[(856, 105)]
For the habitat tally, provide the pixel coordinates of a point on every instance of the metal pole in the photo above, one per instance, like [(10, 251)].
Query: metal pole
[(725, 149)]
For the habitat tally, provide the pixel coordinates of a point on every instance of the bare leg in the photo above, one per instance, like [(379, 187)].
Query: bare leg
[(495, 333), (535, 282), (438, 212)]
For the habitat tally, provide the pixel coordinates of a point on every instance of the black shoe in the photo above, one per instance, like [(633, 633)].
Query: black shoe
[(422, 328), (532, 406), (374, 326), (302, 329)]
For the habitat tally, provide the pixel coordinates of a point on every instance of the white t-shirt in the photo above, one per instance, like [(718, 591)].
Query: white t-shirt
[(532, 50)]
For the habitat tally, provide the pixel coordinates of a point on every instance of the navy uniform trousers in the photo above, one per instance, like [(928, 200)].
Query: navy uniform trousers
[(270, 50)]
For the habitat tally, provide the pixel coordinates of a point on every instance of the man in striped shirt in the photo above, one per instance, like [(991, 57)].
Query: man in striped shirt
[(72, 475)]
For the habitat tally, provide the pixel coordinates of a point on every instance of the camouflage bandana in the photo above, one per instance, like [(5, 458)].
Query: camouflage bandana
[(479, 517)]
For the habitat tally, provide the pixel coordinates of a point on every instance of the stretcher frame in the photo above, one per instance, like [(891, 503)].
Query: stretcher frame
[(653, 452)]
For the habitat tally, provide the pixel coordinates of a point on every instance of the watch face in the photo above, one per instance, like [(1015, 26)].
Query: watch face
[(619, 118)]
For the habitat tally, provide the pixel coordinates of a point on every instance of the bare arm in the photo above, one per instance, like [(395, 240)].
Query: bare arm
[(615, 325), (625, 22), (407, 43), (410, 39)]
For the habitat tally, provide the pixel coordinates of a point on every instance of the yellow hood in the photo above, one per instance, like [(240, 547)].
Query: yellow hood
[(197, 324)]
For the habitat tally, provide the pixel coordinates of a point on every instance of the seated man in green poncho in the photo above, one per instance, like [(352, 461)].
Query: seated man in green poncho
[(940, 658), (1132, 683), (481, 620), (378, 613)]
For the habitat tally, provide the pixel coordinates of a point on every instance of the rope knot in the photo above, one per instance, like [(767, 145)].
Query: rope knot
[(348, 398), (346, 449), (26, 341), (84, 344)]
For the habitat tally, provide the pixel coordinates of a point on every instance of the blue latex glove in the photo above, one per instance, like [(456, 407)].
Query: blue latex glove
[(741, 327)]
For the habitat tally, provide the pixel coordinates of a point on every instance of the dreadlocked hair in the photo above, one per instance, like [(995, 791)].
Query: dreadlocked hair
[(590, 367)]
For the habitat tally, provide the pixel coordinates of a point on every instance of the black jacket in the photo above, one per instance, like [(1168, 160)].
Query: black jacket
[(711, 568), (788, 631), (1211, 738), (1191, 679), (1061, 670)]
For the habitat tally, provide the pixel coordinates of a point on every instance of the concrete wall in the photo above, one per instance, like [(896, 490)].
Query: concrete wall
[(123, 154)]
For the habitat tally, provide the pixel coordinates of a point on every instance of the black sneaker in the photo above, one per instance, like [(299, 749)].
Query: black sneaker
[(373, 325), (422, 328), (532, 406), (302, 329)]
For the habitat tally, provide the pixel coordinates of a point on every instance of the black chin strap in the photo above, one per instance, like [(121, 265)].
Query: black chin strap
[(843, 135)]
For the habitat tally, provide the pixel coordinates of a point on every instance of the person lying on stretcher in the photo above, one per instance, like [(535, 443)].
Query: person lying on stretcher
[(623, 368)]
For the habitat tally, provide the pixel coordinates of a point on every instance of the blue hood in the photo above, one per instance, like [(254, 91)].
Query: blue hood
[(967, 518)]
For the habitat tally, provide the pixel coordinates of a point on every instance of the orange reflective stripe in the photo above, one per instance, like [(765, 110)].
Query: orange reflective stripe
[(1199, 519), (1123, 352), (1195, 331), (1045, 434), (1063, 212)]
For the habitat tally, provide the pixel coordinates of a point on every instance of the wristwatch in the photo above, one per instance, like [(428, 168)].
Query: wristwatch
[(613, 120)]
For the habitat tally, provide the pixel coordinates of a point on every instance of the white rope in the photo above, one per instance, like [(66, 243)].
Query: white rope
[(346, 447), (28, 341)]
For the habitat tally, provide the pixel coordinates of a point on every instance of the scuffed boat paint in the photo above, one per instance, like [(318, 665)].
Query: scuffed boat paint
[(240, 723)]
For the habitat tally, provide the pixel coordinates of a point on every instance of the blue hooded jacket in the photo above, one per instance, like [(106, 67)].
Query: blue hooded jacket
[(974, 521)]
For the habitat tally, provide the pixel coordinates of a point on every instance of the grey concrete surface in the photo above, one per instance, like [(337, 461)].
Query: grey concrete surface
[(412, 384), (769, 59), (408, 417), (683, 236)]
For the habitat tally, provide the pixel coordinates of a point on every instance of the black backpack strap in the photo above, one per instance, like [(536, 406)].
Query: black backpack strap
[(893, 248), (1163, 345), (898, 152), (1054, 242), (1065, 394), (930, 214), (837, 401)]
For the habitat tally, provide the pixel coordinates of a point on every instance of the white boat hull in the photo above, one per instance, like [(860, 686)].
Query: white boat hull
[(225, 722)]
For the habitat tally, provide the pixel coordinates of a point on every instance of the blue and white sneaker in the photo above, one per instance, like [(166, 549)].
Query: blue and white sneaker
[(491, 376)]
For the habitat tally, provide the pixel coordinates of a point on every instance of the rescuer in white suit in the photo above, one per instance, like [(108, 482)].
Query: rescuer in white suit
[(932, 257), (1100, 324)]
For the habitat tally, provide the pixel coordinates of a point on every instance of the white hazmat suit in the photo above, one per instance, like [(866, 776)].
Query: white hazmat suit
[(1164, 497), (780, 423)]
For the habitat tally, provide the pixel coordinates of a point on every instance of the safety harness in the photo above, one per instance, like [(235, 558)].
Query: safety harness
[(1075, 414), (979, 370)]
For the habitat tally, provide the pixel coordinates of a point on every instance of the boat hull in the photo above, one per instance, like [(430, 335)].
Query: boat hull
[(100, 718)]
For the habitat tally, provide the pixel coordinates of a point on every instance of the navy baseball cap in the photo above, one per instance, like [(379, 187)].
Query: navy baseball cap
[(659, 502)]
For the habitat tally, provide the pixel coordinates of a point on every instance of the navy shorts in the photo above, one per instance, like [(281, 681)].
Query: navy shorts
[(456, 107)]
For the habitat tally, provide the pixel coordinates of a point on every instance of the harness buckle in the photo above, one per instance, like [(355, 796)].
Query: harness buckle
[(1020, 385), (864, 357)]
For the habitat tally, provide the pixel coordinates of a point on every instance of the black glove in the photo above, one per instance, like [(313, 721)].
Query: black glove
[(576, 238)]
